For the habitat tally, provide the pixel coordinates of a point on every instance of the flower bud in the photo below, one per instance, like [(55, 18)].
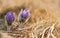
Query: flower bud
[(10, 17), (24, 15)]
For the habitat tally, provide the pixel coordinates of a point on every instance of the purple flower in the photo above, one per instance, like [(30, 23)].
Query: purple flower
[(24, 15), (10, 17)]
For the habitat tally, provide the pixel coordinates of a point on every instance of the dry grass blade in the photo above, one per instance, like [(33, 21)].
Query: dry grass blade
[(49, 29)]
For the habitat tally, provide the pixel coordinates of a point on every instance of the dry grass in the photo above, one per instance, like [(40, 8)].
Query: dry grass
[(44, 21)]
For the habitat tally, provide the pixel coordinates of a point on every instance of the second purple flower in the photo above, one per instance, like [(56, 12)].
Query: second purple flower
[(24, 15)]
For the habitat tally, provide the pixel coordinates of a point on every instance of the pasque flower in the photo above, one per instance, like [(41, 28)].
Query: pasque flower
[(24, 15), (10, 17)]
